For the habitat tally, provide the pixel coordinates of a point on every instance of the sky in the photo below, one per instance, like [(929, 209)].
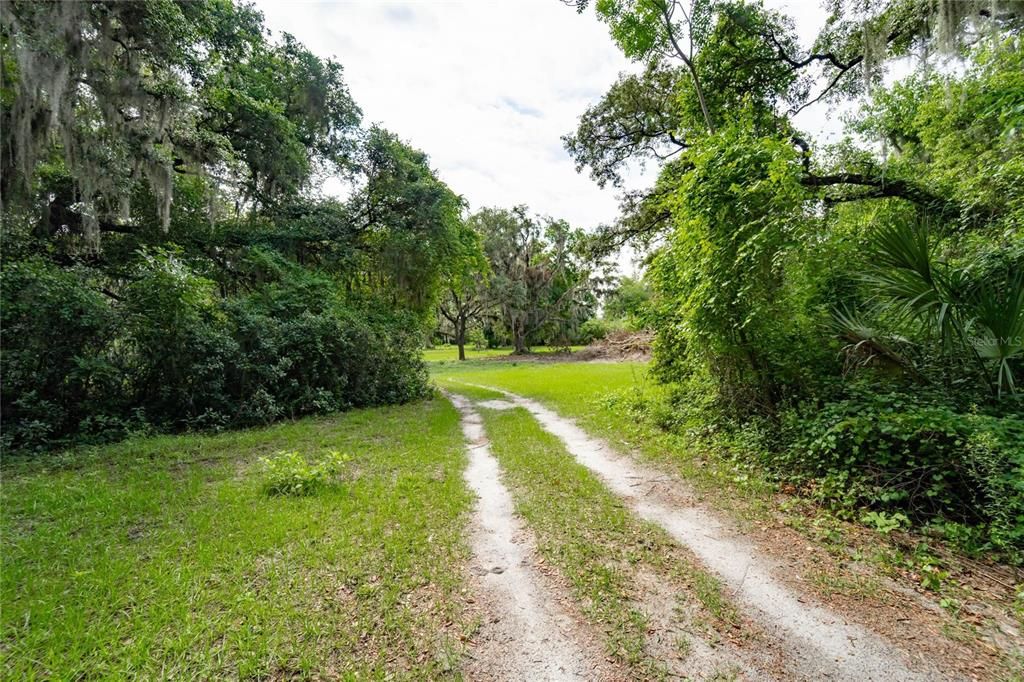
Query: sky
[(487, 88)]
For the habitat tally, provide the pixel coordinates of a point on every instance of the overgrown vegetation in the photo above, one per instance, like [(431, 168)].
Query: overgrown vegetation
[(289, 473), (168, 262), (849, 317), (845, 321)]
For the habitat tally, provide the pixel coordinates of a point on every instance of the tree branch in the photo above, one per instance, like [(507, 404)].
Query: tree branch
[(844, 68), (667, 15), (881, 188)]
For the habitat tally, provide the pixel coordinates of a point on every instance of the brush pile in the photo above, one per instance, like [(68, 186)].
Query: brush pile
[(619, 345)]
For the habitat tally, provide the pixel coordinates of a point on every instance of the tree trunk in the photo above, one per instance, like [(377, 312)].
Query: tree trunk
[(460, 338), (688, 61), (519, 339)]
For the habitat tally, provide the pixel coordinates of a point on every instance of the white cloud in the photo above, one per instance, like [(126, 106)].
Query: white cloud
[(487, 88)]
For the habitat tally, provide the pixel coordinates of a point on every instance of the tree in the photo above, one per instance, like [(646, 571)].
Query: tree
[(408, 218), (798, 304), (705, 61), (465, 297), (628, 300), (721, 84), (636, 120), (224, 291), (649, 30), (540, 281), (123, 95)]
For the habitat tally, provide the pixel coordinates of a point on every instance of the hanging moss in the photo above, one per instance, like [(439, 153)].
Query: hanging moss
[(875, 46), (80, 87)]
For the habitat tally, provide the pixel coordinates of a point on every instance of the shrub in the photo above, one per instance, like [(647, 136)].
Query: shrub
[(288, 473), (176, 347), (628, 301), (55, 332), (303, 350), (476, 337), (887, 459), (168, 353), (899, 453), (597, 328)]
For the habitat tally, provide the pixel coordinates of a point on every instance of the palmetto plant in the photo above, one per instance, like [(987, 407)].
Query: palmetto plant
[(998, 309), (972, 312), (867, 344)]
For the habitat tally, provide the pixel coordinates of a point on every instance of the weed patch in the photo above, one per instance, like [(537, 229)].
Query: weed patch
[(289, 473)]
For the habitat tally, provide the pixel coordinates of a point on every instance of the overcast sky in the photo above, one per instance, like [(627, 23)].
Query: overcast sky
[(487, 88)]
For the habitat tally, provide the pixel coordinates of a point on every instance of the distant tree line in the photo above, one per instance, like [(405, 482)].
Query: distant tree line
[(534, 282)]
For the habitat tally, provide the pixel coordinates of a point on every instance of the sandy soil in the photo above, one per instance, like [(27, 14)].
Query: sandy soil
[(527, 631), (820, 643)]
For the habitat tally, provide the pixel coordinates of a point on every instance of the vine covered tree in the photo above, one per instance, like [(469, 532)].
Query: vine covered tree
[(833, 299)]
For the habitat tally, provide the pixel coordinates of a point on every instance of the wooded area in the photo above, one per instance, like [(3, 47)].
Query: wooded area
[(169, 261), (849, 315), (237, 442)]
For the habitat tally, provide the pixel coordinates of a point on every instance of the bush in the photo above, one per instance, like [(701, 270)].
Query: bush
[(895, 452), (176, 347), (597, 328), (304, 350), (55, 331), (476, 338), (288, 473), (887, 459), (168, 352)]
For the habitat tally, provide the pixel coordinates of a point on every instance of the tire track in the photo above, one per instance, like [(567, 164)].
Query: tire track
[(525, 634), (821, 644)]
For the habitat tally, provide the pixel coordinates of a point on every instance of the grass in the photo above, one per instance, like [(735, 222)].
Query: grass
[(602, 549), (591, 393), (476, 392), (451, 353), (164, 558), (443, 354)]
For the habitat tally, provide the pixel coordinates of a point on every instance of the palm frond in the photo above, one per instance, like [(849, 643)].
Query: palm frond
[(866, 342), (997, 310), (911, 283)]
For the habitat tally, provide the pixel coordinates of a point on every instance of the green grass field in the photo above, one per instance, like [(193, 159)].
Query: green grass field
[(443, 354), (163, 558), (596, 395)]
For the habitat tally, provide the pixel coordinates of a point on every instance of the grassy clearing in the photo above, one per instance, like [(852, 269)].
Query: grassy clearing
[(443, 354), (597, 545), (581, 391), (164, 558)]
